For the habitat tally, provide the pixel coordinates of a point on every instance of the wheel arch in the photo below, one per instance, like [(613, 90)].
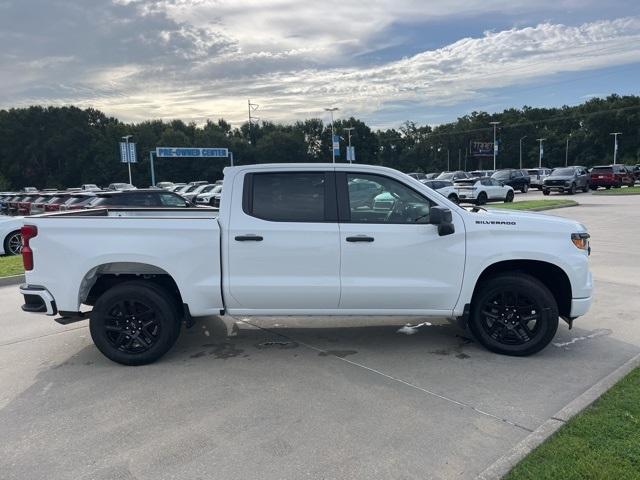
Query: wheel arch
[(550, 275), (107, 275)]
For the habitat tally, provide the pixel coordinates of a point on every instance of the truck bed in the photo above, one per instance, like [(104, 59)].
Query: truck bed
[(181, 243)]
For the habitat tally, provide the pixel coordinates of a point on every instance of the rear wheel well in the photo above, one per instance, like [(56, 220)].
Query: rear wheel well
[(107, 281), (550, 275)]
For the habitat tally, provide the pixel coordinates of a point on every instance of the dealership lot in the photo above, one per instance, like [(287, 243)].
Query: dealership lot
[(352, 400)]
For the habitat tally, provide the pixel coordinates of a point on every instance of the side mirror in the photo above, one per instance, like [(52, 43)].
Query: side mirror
[(439, 215), (442, 217)]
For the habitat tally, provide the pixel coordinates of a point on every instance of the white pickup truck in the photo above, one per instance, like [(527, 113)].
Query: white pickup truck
[(307, 239)]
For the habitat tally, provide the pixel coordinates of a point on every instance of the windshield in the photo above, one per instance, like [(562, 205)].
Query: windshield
[(446, 176), (563, 172), (501, 175)]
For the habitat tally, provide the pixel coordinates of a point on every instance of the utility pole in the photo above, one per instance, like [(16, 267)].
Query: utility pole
[(541, 151), (126, 140), (566, 152), (460, 158), (333, 150), (495, 145), (252, 108), (521, 138), (448, 164), (348, 130), (615, 145)]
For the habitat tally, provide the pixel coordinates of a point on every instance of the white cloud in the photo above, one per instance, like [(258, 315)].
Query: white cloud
[(197, 59)]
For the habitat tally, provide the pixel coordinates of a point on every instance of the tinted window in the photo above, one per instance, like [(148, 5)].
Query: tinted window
[(289, 197), (168, 200), (395, 202)]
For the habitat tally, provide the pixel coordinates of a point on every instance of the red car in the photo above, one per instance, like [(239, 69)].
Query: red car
[(24, 205), (77, 201), (608, 176), (56, 202)]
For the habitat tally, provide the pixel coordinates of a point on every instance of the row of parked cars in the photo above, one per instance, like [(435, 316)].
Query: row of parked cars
[(482, 186)]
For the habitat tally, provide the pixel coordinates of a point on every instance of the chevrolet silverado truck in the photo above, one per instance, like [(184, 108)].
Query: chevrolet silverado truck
[(293, 240)]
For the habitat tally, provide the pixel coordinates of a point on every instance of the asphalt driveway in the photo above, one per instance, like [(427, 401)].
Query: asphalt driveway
[(298, 398)]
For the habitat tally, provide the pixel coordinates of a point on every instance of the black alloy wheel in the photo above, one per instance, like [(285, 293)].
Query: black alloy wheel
[(514, 314), (135, 323)]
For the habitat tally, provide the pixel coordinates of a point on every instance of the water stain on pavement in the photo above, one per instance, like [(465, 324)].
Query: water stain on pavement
[(337, 353), (601, 332)]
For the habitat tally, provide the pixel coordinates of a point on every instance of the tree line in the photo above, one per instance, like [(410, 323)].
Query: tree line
[(57, 147)]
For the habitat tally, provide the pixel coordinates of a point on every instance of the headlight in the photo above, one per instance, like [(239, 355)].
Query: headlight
[(581, 240)]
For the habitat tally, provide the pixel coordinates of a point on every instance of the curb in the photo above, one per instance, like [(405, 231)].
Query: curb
[(12, 280), (503, 465)]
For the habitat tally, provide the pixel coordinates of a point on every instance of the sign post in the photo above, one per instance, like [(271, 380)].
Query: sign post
[(128, 154)]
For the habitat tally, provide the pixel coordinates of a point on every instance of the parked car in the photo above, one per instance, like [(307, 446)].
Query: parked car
[(77, 201), (191, 196), (537, 176), (5, 197), (363, 192), (10, 237), (635, 169), (55, 203), (444, 188), (210, 197), (453, 176), (143, 198), (515, 178), (165, 185), (481, 173), (12, 204), (291, 243), (418, 175), (90, 187), (38, 204), (120, 186), (566, 179), (190, 187), (482, 190), (608, 176), (24, 204), (176, 186), (431, 176)]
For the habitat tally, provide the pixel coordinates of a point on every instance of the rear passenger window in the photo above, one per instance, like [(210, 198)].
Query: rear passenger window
[(288, 197), (169, 200)]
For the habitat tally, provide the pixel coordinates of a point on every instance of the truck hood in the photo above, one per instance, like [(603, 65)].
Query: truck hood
[(528, 219)]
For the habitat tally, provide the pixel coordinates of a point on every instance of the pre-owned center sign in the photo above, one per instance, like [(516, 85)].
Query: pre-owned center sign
[(174, 152)]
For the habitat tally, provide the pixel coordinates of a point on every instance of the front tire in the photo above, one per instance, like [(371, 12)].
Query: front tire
[(585, 189), (509, 197), (525, 188), (514, 314), (454, 198), (13, 243), (572, 189), (134, 323), (545, 191)]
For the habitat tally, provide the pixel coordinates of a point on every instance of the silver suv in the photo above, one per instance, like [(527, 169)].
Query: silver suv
[(537, 176)]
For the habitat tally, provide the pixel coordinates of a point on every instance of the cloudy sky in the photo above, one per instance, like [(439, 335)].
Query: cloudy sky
[(385, 61)]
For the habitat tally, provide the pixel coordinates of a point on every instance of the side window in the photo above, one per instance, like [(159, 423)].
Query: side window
[(486, 182), (287, 197), (517, 174), (138, 200), (168, 200), (390, 201)]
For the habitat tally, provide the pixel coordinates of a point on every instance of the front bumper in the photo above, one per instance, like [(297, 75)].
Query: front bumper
[(38, 300), (580, 306), (556, 188)]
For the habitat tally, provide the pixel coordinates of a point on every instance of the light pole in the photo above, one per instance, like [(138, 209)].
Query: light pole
[(348, 130), (333, 151), (615, 145), (495, 147), (448, 164), (566, 152), (126, 141), (541, 151), (521, 138)]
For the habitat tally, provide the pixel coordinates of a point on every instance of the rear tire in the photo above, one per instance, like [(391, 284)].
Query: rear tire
[(454, 198), (134, 323), (585, 189), (545, 191), (514, 314), (13, 243), (525, 188), (572, 189), (482, 198), (509, 197)]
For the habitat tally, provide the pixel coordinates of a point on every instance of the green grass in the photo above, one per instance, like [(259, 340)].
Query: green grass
[(537, 204), (11, 266), (619, 191), (602, 442)]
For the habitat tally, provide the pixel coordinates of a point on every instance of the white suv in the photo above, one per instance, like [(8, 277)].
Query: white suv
[(482, 190)]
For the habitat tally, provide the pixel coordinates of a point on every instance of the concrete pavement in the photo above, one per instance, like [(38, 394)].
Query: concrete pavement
[(307, 398)]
